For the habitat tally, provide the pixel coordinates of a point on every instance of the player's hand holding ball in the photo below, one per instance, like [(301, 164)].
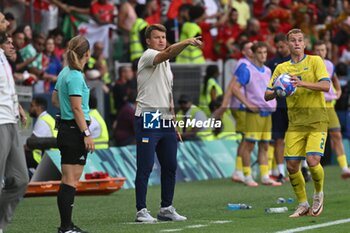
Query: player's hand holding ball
[(285, 85)]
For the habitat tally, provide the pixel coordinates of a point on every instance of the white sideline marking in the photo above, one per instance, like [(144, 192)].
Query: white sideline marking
[(299, 229), (139, 223), (171, 230), (220, 222), (197, 226)]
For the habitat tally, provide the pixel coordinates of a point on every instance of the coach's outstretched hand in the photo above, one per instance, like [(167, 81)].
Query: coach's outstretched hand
[(195, 41)]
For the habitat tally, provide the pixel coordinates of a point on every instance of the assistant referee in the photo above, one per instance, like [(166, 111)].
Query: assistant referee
[(74, 139)]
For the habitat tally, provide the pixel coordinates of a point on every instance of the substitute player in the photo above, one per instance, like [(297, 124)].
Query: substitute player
[(334, 125), (237, 108), (308, 120), (255, 78)]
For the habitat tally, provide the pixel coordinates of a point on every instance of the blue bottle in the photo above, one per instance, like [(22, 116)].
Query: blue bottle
[(231, 206)]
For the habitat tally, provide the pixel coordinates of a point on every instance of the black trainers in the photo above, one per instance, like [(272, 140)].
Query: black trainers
[(72, 229), (306, 174)]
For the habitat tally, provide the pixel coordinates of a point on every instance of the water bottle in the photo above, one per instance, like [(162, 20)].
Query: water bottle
[(276, 210), (281, 200), (239, 206)]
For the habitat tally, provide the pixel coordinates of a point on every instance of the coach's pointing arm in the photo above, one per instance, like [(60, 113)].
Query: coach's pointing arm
[(174, 49)]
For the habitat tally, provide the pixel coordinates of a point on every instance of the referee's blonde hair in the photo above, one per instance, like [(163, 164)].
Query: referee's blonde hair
[(77, 47)]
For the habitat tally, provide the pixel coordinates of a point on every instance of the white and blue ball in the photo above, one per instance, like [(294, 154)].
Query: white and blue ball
[(283, 86)]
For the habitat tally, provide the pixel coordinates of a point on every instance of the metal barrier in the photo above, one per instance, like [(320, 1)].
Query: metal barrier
[(25, 94)]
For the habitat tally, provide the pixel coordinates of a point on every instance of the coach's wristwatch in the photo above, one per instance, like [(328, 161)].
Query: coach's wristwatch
[(86, 132)]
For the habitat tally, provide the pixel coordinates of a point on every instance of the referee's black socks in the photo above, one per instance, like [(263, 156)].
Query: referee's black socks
[(65, 202)]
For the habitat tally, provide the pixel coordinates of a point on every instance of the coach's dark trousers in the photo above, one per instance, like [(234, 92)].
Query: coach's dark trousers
[(162, 141)]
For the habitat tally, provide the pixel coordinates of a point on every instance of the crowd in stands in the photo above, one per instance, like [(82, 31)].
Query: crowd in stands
[(115, 28)]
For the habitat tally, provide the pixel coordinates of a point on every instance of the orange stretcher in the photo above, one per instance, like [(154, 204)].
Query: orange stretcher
[(103, 186)]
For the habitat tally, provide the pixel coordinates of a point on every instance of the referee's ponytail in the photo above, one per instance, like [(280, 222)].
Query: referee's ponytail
[(77, 47)]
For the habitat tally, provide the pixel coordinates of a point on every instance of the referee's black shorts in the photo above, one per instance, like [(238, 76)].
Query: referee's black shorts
[(70, 142)]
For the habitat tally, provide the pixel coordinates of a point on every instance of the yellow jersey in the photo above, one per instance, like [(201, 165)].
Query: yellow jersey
[(305, 106)]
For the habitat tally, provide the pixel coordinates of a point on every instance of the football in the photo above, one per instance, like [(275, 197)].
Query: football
[(283, 86)]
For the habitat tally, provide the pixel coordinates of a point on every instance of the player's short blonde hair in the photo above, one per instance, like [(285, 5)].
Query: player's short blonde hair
[(294, 31)]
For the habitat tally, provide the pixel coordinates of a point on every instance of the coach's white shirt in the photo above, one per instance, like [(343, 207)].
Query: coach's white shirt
[(8, 97), (154, 86)]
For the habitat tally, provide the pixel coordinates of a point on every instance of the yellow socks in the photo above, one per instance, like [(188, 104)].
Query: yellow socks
[(342, 161), (264, 170), (298, 183), (239, 163), (270, 156), (247, 171), (317, 174)]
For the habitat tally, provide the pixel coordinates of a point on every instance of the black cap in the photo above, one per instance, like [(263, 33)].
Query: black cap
[(184, 99)]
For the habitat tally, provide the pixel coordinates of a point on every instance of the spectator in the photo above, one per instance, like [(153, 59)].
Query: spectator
[(207, 38), (227, 131), (227, 36), (127, 15), (174, 25), (12, 23), (97, 127), (253, 31), (124, 126), (44, 127), (126, 19), (210, 89), (28, 34), (137, 34), (173, 10), (76, 11), (342, 105), (98, 62), (10, 53), (345, 55), (244, 12), (125, 74), (189, 112), (273, 28), (18, 43), (58, 38), (191, 29), (152, 12), (103, 12), (342, 30), (54, 65), (37, 67)]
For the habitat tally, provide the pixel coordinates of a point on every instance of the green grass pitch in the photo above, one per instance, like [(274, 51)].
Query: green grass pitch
[(204, 203)]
